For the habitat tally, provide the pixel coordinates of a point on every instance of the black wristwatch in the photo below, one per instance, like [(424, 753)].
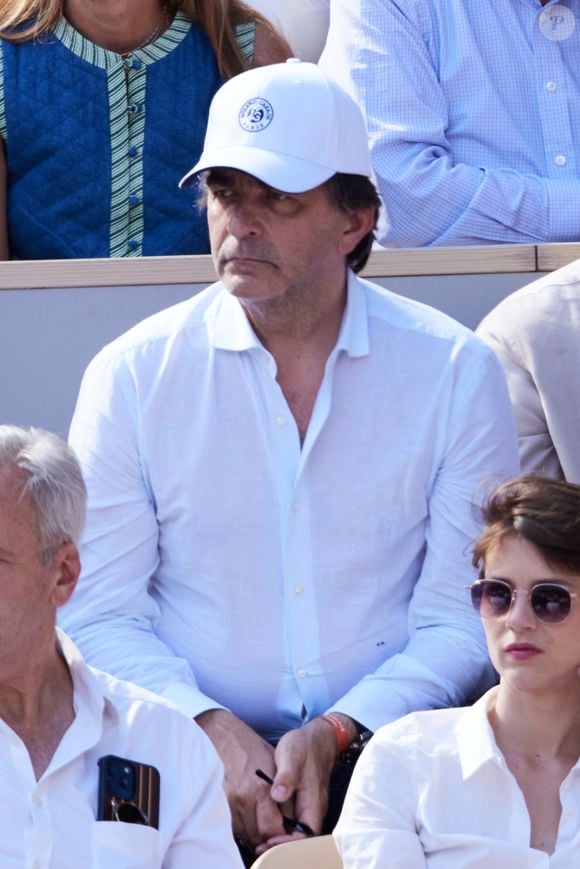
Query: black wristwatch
[(353, 752)]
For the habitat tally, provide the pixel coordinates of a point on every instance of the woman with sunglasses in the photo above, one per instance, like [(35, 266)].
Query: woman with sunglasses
[(497, 784)]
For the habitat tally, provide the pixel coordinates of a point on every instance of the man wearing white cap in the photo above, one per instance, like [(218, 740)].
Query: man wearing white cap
[(282, 470)]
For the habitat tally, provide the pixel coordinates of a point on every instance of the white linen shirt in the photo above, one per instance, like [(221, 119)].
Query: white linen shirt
[(51, 823), (433, 789), (224, 564)]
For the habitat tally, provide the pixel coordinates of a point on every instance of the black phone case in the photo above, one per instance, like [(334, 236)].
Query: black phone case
[(128, 791)]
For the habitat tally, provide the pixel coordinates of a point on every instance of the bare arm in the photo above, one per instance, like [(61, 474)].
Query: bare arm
[(4, 252)]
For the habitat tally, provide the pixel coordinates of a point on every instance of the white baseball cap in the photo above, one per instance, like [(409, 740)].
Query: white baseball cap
[(288, 125)]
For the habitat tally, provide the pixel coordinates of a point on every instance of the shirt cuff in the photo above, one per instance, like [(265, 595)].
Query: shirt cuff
[(563, 210), (360, 707), (189, 699), (404, 684)]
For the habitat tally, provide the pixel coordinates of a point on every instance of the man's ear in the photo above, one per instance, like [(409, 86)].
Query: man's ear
[(359, 223), (66, 568)]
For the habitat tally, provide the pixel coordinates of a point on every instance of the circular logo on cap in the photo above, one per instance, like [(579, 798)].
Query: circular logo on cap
[(255, 115)]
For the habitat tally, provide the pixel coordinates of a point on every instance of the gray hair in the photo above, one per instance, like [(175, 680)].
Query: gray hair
[(55, 483)]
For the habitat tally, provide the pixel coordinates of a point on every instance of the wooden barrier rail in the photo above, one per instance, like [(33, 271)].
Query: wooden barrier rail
[(55, 315), (135, 271)]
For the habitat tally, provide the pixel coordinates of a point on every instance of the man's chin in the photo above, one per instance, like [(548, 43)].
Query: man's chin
[(245, 287), (246, 283)]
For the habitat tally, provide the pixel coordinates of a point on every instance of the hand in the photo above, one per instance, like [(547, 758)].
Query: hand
[(305, 759), (256, 817)]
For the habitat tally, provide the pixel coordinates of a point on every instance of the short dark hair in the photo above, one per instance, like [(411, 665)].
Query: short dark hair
[(350, 192), (347, 192), (541, 510)]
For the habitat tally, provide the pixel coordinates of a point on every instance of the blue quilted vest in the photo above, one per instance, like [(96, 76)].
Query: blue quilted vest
[(96, 144)]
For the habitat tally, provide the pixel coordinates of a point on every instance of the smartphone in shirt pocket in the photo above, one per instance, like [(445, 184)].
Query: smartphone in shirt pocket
[(128, 791)]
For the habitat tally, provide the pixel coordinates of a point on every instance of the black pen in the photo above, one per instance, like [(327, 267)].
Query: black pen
[(290, 825)]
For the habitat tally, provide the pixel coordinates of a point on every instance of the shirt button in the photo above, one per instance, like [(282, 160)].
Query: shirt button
[(280, 421), (560, 160), (301, 672), (298, 589), (136, 108), (132, 151), (36, 800), (136, 64), (551, 85), (36, 865), (134, 200), (296, 506), (132, 244)]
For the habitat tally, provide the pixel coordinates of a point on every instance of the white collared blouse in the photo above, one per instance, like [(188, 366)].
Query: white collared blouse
[(433, 789)]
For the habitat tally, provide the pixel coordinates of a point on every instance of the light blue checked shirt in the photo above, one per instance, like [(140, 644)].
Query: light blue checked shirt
[(473, 110)]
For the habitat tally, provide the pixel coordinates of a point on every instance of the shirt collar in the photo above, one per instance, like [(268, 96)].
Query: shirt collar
[(228, 326), (475, 738), (104, 58), (230, 329), (89, 699), (354, 331)]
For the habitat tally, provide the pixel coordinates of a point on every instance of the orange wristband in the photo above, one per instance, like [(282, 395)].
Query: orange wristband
[(343, 740)]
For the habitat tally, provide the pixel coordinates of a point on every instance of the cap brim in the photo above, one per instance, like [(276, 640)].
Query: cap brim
[(289, 174)]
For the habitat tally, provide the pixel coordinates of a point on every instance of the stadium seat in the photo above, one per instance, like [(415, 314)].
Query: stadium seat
[(317, 853)]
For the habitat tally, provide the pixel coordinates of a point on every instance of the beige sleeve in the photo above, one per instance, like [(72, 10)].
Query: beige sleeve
[(536, 448)]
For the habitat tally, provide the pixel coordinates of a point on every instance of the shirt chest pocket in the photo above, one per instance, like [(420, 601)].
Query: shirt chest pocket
[(125, 846)]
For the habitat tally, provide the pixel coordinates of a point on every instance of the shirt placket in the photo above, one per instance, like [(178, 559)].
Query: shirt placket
[(568, 843), (39, 852), (127, 88), (552, 82), (38, 831), (309, 692), (520, 824)]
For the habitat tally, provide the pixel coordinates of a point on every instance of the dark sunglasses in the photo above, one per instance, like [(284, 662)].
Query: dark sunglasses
[(550, 602)]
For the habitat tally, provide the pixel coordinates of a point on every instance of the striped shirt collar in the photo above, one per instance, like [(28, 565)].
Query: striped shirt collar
[(102, 57)]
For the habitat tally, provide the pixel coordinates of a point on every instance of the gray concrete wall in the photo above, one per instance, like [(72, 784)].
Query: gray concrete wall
[(47, 337)]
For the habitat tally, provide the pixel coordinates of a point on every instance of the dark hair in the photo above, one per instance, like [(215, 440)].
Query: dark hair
[(350, 192), (346, 192), (541, 510)]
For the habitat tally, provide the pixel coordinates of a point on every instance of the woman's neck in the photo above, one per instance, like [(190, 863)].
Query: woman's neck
[(537, 724), (118, 25)]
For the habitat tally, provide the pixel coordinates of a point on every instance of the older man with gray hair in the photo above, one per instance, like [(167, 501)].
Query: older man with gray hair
[(61, 721)]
